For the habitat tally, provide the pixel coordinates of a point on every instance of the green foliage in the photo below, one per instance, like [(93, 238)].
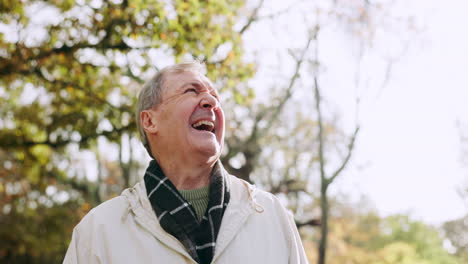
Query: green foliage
[(37, 234), (426, 240), (456, 232), (395, 239), (71, 79)]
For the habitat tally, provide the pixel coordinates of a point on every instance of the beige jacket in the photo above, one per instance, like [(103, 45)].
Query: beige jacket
[(256, 228)]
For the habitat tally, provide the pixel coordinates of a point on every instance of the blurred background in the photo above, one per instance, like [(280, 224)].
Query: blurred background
[(353, 112)]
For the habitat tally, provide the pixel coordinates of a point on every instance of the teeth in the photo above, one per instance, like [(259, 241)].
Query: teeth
[(203, 122)]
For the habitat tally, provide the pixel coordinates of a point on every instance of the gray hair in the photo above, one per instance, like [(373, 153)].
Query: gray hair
[(151, 93)]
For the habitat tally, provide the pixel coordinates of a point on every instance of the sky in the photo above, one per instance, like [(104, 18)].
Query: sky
[(411, 137), (407, 158)]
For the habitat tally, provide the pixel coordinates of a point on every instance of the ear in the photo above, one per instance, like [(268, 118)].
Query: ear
[(148, 121)]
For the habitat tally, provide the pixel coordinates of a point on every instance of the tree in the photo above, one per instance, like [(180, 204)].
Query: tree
[(360, 236), (456, 231), (360, 19), (425, 240), (85, 61), (457, 234), (69, 74), (256, 150)]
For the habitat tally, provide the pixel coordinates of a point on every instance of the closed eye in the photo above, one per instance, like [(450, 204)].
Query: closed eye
[(189, 90)]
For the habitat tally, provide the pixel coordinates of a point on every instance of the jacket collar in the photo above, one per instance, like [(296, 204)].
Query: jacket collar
[(140, 207), (241, 205)]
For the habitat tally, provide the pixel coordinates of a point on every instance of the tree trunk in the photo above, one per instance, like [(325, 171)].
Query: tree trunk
[(324, 223)]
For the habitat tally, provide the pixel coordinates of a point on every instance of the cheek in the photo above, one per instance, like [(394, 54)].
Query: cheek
[(182, 112), (220, 117), (174, 120)]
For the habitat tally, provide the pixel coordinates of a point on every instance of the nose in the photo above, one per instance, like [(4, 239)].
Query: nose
[(209, 101)]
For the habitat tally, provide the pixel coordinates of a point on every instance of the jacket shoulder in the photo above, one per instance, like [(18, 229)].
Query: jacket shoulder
[(255, 194), (105, 213)]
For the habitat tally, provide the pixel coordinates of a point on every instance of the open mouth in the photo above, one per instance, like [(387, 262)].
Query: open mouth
[(204, 125)]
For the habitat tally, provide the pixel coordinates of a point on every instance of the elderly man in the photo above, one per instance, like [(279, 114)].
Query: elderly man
[(187, 208)]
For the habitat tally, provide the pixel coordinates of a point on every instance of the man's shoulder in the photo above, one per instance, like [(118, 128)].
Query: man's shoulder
[(106, 212), (254, 193), (267, 206)]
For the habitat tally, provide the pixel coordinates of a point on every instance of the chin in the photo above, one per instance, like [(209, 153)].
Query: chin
[(210, 152)]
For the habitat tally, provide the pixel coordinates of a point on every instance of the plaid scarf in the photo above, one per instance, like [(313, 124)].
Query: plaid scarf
[(178, 217)]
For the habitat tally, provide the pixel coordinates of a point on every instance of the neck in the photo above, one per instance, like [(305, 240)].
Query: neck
[(186, 175)]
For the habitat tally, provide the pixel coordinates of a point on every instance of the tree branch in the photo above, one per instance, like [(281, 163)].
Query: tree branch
[(251, 148), (347, 158), (253, 17), (277, 109), (318, 108), (281, 12), (8, 143), (312, 222)]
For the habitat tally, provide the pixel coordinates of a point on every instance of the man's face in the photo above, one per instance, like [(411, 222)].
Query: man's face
[(189, 119)]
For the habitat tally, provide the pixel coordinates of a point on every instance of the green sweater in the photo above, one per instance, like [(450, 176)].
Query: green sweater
[(198, 198)]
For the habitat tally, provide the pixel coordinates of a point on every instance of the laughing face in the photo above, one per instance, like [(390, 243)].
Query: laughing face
[(189, 119)]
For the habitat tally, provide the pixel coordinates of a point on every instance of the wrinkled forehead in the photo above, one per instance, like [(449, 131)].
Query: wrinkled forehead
[(176, 80)]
